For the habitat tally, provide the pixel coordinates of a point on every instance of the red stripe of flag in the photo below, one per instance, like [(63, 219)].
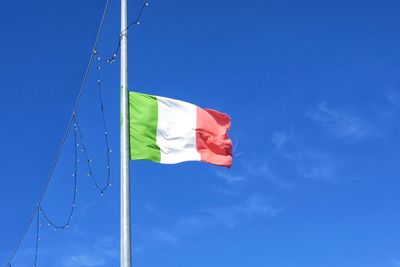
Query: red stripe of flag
[(212, 140)]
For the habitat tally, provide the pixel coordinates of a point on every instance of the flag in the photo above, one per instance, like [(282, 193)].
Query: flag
[(170, 131)]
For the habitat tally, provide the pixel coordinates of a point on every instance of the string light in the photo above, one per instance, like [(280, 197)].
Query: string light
[(77, 133), (75, 190), (89, 161), (137, 23), (40, 213)]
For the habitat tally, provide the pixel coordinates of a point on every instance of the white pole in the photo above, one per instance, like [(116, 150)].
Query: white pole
[(126, 257)]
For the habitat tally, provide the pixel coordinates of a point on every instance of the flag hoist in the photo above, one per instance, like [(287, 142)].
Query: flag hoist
[(163, 130)]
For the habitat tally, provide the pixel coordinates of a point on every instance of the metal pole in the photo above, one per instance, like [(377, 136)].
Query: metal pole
[(126, 257)]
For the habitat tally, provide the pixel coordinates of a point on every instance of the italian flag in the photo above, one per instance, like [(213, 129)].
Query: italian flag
[(170, 131)]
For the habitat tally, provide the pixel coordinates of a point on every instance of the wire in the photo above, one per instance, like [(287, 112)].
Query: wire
[(37, 238), (75, 190), (136, 22), (108, 150), (63, 140)]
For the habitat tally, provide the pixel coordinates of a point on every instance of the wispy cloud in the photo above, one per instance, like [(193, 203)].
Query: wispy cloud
[(91, 252), (155, 237), (343, 124), (318, 167), (396, 262), (263, 175), (84, 260), (257, 174), (225, 216), (306, 161), (393, 98), (101, 252), (279, 139), (287, 160), (229, 177)]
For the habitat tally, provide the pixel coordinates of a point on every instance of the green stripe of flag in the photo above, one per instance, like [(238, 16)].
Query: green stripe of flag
[(143, 116)]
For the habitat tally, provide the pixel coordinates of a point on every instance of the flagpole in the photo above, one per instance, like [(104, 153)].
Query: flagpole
[(126, 257)]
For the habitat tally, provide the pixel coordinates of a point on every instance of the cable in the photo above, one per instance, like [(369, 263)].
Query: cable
[(90, 173), (136, 22), (108, 150), (37, 239), (75, 190), (46, 184)]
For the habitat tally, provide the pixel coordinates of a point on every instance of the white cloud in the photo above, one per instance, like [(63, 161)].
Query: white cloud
[(101, 252), (266, 176), (225, 216), (321, 169), (257, 173), (84, 260), (343, 124), (306, 161), (393, 98), (155, 238), (279, 139), (229, 177), (287, 160)]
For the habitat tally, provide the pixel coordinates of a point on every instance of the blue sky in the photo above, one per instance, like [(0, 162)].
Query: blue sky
[(313, 91)]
